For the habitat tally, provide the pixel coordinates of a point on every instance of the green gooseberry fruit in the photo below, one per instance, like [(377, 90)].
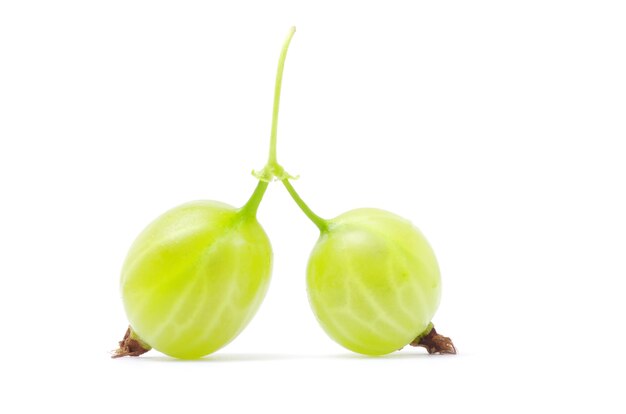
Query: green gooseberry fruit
[(373, 281), (195, 277)]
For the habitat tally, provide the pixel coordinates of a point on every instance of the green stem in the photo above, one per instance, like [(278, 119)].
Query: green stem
[(272, 161), (252, 205), (272, 166), (273, 170), (317, 220)]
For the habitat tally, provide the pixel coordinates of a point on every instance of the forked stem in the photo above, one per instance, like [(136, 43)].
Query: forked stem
[(273, 170)]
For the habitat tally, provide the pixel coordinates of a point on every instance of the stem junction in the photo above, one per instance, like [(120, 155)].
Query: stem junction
[(273, 170)]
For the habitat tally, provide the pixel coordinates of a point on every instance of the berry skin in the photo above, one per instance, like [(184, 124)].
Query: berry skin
[(373, 281), (195, 277)]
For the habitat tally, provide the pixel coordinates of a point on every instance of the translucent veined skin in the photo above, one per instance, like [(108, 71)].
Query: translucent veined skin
[(373, 281), (195, 277)]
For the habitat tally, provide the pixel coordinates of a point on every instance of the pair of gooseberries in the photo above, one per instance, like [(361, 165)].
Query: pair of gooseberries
[(196, 276)]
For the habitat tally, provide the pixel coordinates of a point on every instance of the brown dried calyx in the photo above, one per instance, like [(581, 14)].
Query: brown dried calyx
[(435, 343), (131, 345)]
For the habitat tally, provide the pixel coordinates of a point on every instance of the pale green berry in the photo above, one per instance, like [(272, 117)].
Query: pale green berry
[(373, 281), (195, 277)]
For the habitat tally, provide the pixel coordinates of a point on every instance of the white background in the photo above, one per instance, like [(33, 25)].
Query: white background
[(496, 127)]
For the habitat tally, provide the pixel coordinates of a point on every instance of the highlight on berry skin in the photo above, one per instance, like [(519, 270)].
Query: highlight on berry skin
[(196, 275)]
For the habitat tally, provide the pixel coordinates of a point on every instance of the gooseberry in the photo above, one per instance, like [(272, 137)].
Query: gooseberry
[(373, 281), (196, 275)]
